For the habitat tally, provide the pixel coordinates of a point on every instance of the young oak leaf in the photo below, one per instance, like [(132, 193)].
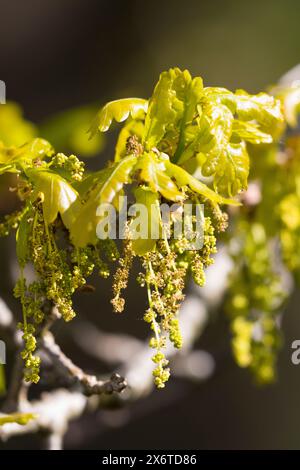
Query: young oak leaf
[(183, 178), (191, 99), (82, 218), (250, 132), (57, 194), (148, 218), (262, 108), (166, 106), (230, 168), (118, 110), (152, 171), (227, 162), (11, 158), (220, 140)]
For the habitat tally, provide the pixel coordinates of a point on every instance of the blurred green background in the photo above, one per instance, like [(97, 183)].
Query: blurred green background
[(56, 54)]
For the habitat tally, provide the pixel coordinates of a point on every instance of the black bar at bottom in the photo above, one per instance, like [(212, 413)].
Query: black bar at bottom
[(137, 458)]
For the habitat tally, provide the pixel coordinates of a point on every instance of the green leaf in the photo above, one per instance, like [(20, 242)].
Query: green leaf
[(201, 139), (58, 194), (152, 172), (230, 168), (191, 99), (109, 182), (26, 153), (119, 111), (18, 418), (219, 139), (262, 108), (227, 162), (171, 106), (183, 178), (150, 201), (250, 132)]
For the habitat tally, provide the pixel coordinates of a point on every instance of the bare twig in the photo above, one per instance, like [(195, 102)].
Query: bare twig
[(89, 383)]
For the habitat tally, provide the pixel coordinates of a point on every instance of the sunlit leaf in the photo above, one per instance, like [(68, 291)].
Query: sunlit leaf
[(26, 153), (262, 108), (250, 132), (201, 139), (58, 194), (105, 188), (227, 162), (221, 131), (119, 111), (230, 168), (192, 97), (183, 178), (150, 201), (171, 106), (152, 172)]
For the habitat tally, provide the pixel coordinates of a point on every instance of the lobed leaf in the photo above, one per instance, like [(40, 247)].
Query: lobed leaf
[(26, 153), (171, 107), (152, 171), (183, 178), (119, 111), (82, 219), (250, 132), (58, 194), (262, 108), (226, 122)]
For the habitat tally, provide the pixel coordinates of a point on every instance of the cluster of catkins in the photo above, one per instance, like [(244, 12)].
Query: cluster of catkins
[(164, 276), (60, 268)]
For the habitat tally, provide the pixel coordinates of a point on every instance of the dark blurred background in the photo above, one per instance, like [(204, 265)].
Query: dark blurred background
[(56, 54)]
